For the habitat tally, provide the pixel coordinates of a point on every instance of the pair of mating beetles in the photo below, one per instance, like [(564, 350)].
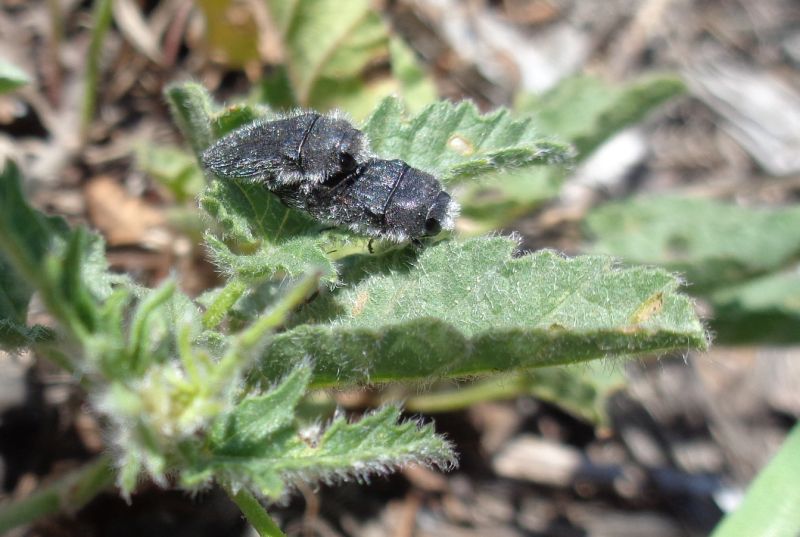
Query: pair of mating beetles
[(321, 164)]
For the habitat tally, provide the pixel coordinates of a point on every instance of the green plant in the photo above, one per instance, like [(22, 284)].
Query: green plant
[(206, 390), (770, 506)]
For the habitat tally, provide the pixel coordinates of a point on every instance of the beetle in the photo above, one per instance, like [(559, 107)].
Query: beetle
[(321, 164), (300, 149)]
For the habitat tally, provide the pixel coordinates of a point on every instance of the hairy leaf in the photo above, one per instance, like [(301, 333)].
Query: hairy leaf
[(37, 252), (712, 243), (192, 109), (583, 111), (171, 379), (11, 77), (471, 308), (15, 335), (271, 238), (454, 141), (259, 444)]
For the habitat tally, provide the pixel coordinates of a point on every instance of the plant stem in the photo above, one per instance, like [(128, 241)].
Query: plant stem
[(255, 333), (101, 21), (255, 513), (223, 303), (492, 389), (69, 493)]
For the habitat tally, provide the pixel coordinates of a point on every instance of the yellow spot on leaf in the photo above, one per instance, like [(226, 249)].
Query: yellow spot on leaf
[(460, 145), (361, 301), (649, 307)]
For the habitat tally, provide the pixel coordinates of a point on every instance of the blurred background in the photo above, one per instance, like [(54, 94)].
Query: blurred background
[(685, 117)]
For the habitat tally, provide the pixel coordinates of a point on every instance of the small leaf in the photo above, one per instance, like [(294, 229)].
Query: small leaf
[(292, 258), (712, 243), (15, 294), (259, 445), (14, 335), (470, 308), (234, 116), (26, 236), (173, 168), (495, 202), (192, 109), (586, 111), (761, 310), (249, 213), (455, 142), (11, 77), (583, 111), (271, 237), (247, 427)]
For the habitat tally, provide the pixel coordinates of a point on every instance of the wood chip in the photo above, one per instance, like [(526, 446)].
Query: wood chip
[(123, 219)]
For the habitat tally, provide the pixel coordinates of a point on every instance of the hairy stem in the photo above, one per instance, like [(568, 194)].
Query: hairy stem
[(69, 493), (223, 303)]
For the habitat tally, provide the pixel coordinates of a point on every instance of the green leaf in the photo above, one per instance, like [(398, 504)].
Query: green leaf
[(201, 120), (24, 231), (26, 236), (173, 168), (15, 294), (234, 116), (762, 310), (471, 308), (248, 426), (259, 444), (192, 109), (583, 111), (456, 142), (14, 335), (11, 77), (275, 90), (497, 201), (770, 506), (328, 46), (271, 237), (712, 243), (586, 111)]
